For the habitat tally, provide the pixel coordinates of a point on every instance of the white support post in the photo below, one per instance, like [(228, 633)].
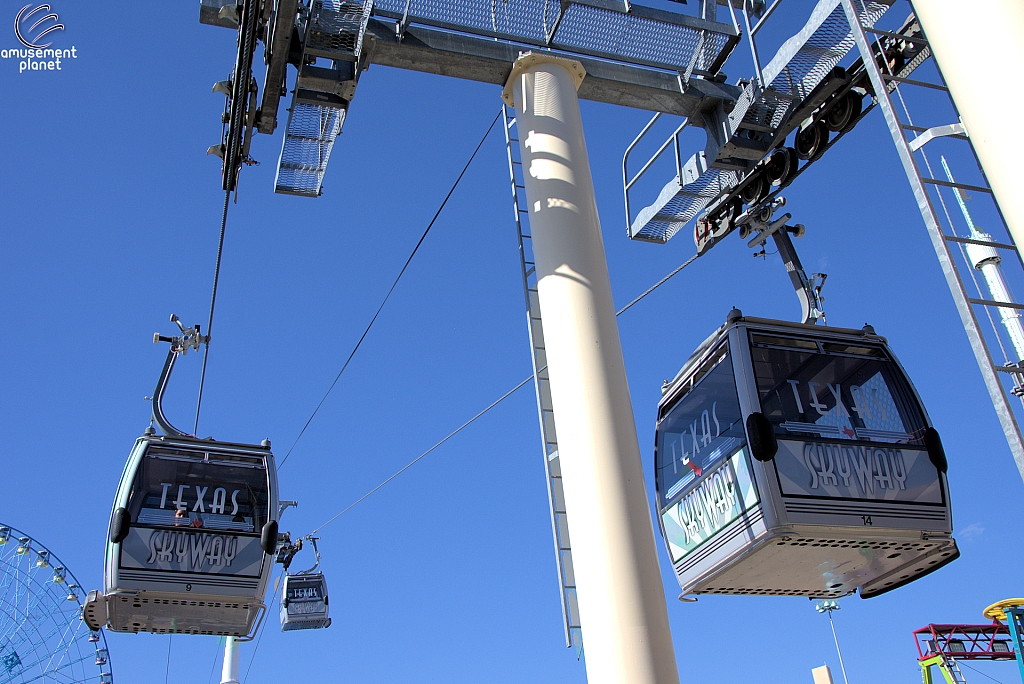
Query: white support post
[(621, 597), (980, 50), (229, 671)]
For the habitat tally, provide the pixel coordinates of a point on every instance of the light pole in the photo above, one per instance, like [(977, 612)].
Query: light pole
[(827, 607), (229, 671)]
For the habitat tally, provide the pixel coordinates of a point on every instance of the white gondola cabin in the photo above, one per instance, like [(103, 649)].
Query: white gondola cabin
[(192, 532), (304, 602), (304, 599), (798, 460)]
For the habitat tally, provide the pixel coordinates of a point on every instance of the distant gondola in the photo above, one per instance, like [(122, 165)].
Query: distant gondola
[(798, 460), (192, 532), (304, 599)]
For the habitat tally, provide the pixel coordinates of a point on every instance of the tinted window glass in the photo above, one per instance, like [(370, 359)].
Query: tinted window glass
[(851, 393), (177, 490), (701, 428)]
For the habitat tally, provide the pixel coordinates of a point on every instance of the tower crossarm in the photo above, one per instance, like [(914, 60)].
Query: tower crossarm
[(633, 55)]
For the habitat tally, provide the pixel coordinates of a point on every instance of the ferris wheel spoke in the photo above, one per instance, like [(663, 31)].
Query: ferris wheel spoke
[(25, 664), (42, 635), (18, 633), (57, 674), (42, 597), (21, 654), (63, 639)]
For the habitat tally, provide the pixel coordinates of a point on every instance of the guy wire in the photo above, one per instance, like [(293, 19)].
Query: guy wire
[(493, 404), (392, 289)]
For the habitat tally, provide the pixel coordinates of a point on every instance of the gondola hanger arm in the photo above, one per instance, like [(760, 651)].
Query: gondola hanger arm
[(316, 551), (190, 338)]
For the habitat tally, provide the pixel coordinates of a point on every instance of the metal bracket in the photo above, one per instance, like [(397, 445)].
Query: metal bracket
[(262, 608), (276, 49), (286, 550), (316, 551), (190, 338), (936, 132), (403, 24), (808, 290)]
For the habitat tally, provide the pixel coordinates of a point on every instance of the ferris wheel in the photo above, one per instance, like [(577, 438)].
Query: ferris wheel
[(42, 635)]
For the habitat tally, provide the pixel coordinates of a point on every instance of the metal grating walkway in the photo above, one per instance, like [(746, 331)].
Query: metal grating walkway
[(805, 59), (678, 204), (634, 56), (334, 30), (308, 141), (600, 29), (799, 66)]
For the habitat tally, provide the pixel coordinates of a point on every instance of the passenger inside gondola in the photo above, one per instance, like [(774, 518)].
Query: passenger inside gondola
[(180, 489)]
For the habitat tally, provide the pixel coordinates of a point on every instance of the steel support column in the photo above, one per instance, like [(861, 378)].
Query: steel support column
[(621, 597)]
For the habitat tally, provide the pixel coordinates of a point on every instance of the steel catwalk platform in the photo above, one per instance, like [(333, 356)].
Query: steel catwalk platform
[(634, 56)]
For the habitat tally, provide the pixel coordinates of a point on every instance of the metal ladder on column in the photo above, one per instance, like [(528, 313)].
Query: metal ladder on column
[(951, 673), (556, 498), (954, 671), (886, 80)]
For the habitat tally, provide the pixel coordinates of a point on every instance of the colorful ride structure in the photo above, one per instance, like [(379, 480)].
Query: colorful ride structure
[(943, 646)]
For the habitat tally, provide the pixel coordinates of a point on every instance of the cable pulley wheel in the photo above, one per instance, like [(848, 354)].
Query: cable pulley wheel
[(856, 101), (843, 112), (781, 165), (811, 141), (756, 190), (839, 115)]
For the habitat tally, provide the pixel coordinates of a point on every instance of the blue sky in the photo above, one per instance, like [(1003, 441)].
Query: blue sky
[(109, 224)]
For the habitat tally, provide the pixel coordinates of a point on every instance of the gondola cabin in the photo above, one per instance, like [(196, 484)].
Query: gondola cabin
[(798, 460), (304, 602), (193, 530), (188, 542)]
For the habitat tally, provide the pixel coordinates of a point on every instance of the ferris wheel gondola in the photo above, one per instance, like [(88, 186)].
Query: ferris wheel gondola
[(798, 460), (192, 532)]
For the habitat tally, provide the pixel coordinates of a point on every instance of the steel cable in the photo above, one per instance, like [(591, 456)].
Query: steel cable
[(658, 284), (492, 404), (981, 673), (259, 637), (213, 304), (421, 456), (167, 668), (216, 657), (391, 290)]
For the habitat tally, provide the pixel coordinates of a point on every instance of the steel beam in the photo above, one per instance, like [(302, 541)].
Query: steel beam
[(438, 51)]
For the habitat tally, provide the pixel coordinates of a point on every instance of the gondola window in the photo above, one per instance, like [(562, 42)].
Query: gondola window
[(834, 392), (703, 471)]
